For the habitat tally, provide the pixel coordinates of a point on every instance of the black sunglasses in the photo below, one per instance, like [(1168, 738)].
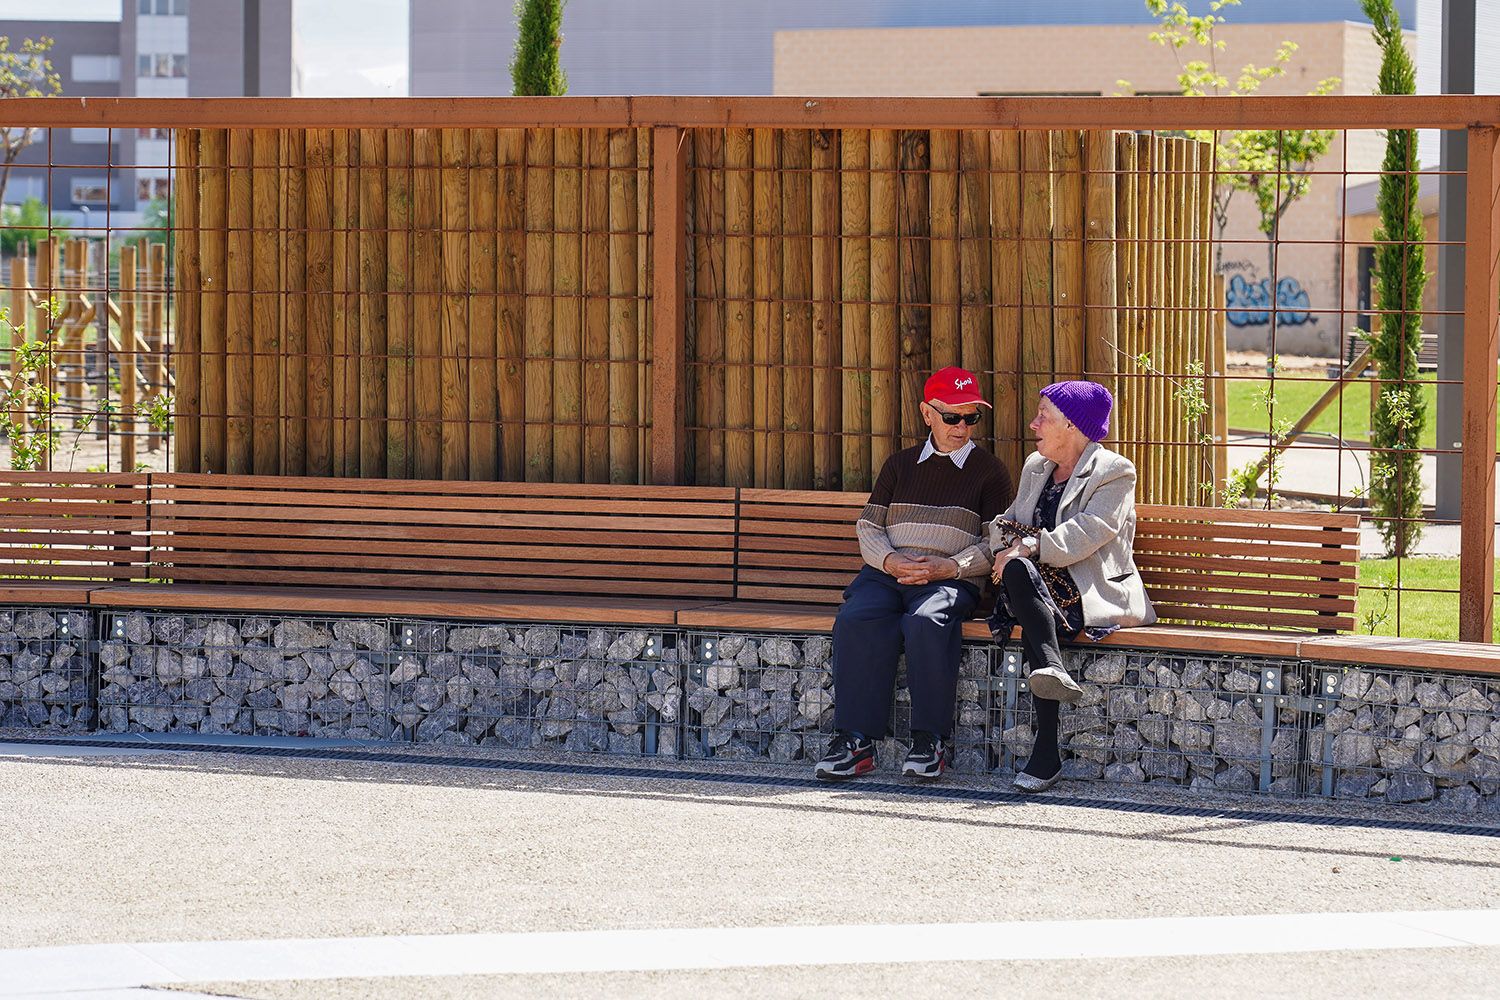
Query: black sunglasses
[(952, 419)]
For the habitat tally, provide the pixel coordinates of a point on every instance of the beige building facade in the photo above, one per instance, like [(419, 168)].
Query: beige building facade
[(1310, 281)]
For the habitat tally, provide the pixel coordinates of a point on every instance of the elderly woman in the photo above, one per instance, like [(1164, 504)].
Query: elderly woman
[(1063, 557)]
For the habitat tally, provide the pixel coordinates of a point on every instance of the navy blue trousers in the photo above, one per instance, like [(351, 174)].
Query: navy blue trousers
[(880, 618)]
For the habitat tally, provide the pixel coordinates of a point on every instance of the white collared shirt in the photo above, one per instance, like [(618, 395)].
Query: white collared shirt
[(959, 457)]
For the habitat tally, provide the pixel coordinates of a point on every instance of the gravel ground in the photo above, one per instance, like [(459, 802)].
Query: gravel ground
[(169, 847)]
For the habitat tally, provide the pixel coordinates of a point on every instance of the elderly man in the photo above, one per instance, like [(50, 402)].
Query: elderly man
[(923, 539)]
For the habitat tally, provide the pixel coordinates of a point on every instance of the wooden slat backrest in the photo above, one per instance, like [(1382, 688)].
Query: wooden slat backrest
[(1281, 569), (73, 526), (513, 537)]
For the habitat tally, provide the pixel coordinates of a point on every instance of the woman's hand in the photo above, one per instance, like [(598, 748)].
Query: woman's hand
[(1017, 550)]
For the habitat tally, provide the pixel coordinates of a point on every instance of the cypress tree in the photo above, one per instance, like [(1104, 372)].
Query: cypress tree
[(536, 69), (1400, 275)]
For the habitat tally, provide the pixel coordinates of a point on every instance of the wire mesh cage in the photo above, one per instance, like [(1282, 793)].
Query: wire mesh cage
[(535, 687), (1404, 736), (261, 676), (1146, 717), (771, 697), (45, 669)]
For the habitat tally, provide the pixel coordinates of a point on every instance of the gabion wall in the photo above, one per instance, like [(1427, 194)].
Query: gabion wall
[(45, 669), (1405, 736), (599, 690), (252, 676), (1226, 723)]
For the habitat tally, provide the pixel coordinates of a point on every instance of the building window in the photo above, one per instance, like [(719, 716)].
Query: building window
[(161, 8), (161, 64), (149, 134), (152, 188), (96, 69), (91, 136), (90, 191)]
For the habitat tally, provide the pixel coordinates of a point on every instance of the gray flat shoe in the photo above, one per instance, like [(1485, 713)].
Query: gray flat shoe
[(1031, 784), (1055, 685)]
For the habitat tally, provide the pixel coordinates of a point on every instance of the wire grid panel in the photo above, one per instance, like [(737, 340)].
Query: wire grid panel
[(771, 697), (45, 676), (536, 687), (253, 676), (1204, 723), (1405, 736)]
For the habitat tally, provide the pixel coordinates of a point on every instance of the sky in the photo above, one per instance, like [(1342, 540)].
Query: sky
[(347, 48)]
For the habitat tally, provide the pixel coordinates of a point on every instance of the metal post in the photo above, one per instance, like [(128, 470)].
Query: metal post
[(1457, 78)]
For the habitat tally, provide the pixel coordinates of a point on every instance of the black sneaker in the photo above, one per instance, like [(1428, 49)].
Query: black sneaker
[(930, 756), (849, 756)]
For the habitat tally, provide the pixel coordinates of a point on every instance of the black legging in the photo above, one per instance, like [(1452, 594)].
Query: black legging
[(1022, 585)]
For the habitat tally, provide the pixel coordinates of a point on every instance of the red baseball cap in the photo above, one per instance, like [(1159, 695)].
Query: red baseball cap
[(953, 386)]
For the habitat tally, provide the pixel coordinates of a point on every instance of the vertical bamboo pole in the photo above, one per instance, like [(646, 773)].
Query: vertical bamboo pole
[(72, 336), (739, 278), (398, 310), (826, 329), (427, 391), (538, 328), (596, 415), (346, 427), (708, 304), (886, 274), (187, 266), (943, 210), (624, 309), (265, 303), (1211, 339), (239, 361), (511, 213), (48, 272), (19, 283), (156, 283), (769, 311), (976, 344), (453, 348), (1476, 594), (320, 304), (1100, 261), (127, 357), (1007, 390), (567, 286), (1036, 265), (796, 287), (374, 328), (669, 306), (854, 219), (484, 401), (1067, 255), (916, 282), (1127, 280)]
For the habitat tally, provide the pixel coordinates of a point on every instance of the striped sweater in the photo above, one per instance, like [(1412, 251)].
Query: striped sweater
[(934, 508)]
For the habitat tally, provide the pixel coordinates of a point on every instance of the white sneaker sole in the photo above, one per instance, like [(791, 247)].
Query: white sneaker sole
[(1054, 685)]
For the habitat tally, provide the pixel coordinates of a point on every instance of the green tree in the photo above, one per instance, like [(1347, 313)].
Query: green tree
[(26, 224), (24, 72), (1269, 164), (536, 69), (1400, 275)]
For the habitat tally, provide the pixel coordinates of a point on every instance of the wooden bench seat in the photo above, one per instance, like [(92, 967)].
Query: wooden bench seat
[(62, 535)]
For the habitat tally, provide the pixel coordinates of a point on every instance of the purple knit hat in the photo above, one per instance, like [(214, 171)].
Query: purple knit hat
[(1086, 404)]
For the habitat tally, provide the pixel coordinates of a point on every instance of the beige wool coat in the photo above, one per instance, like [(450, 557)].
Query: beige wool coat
[(1095, 533)]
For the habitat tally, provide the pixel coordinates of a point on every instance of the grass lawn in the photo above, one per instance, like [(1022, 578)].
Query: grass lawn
[(1293, 398), (1422, 615)]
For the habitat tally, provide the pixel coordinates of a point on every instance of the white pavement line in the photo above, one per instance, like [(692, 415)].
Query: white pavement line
[(51, 971)]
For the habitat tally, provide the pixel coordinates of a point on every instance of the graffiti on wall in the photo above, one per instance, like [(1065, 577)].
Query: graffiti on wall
[(1250, 302)]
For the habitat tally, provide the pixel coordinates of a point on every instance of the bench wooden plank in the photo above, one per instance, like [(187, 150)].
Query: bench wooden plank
[(366, 487), (414, 603), (45, 592), (1417, 654)]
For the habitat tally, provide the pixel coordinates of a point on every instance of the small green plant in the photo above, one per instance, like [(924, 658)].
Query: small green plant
[(1376, 616), (158, 412)]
